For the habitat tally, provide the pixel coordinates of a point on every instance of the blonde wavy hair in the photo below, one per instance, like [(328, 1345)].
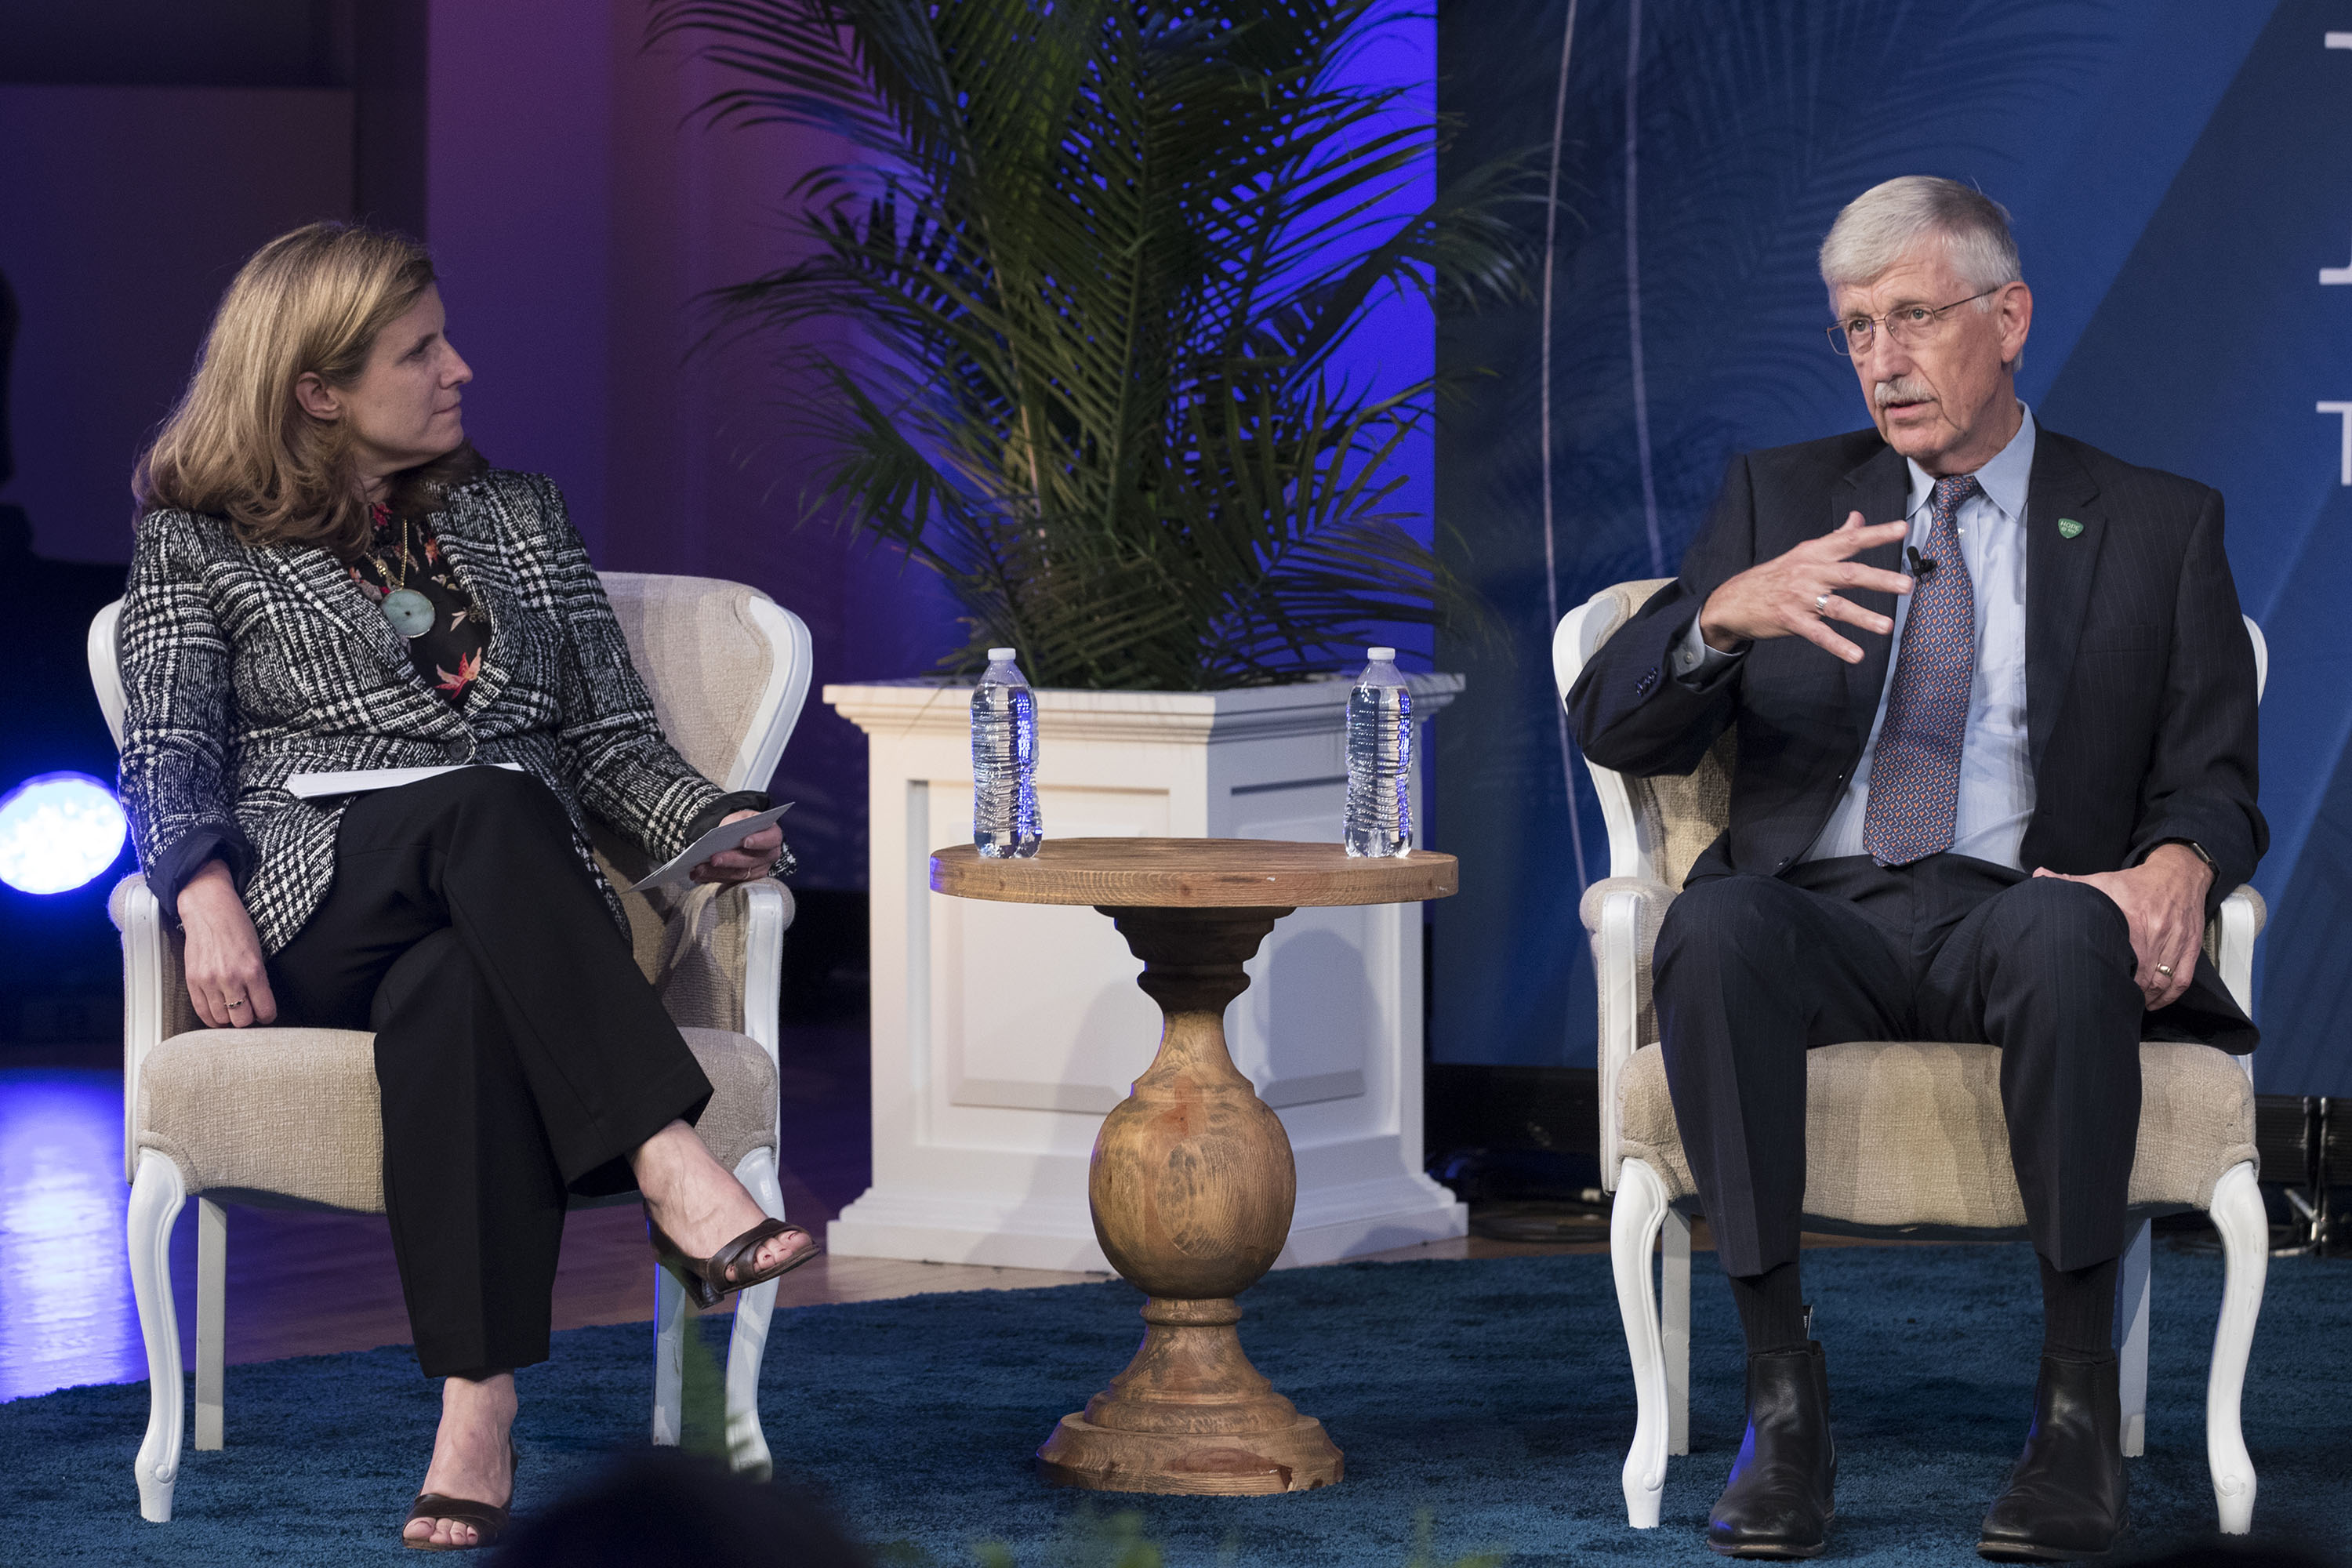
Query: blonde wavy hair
[(240, 446)]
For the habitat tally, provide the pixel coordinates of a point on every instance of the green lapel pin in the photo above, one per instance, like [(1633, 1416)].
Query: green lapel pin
[(2068, 528)]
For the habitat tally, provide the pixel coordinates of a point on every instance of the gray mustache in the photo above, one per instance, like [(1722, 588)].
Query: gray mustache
[(1902, 389)]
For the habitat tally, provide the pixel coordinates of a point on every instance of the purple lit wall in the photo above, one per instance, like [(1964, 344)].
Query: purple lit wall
[(578, 213), (578, 216), (1397, 344), (123, 211)]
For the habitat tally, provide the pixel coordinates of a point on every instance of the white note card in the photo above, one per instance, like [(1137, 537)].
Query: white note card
[(725, 836), (316, 786)]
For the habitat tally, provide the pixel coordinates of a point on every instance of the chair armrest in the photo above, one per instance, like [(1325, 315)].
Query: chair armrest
[(722, 959), (1654, 898), (1623, 914), (2229, 942), (155, 1004)]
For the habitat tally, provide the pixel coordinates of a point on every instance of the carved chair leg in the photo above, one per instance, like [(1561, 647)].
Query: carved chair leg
[(669, 1358), (2246, 1231), (211, 1325), (157, 1194), (1634, 1224), (2131, 1326), (747, 1444), (1674, 1324)]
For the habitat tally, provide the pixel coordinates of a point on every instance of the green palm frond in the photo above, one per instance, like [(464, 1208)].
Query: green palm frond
[(1105, 254)]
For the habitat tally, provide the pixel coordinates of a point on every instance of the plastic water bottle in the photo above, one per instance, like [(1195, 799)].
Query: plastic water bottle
[(1380, 757), (1004, 824)]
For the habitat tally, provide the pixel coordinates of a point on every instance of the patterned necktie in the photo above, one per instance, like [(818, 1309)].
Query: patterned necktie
[(1915, 777)]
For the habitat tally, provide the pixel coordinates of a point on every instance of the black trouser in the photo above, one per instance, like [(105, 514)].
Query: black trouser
[(1751, 971), (520, 1053)]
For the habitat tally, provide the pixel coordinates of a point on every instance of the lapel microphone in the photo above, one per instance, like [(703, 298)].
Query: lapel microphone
[(1922, 566)]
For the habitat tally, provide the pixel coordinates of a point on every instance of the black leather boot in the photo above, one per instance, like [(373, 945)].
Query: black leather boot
[(2067, 1494), (1783, 1486)]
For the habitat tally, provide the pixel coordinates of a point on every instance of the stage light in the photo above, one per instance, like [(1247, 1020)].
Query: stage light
[(58, 831)]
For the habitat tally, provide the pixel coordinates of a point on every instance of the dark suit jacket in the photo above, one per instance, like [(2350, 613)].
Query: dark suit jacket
[(2140, 699)]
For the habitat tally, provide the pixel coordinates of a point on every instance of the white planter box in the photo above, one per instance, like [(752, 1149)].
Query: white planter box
[(1003, 1033)]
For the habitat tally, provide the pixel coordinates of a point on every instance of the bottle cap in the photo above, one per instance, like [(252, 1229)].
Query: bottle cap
[(1001, 655), (1378, 654)]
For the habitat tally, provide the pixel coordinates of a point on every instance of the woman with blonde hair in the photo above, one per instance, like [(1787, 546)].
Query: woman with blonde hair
[(328, 578)]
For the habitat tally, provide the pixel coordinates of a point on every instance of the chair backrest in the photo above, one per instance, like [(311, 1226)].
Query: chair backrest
[(728, 670), (727, 667), (103, 648), (1658, 827)]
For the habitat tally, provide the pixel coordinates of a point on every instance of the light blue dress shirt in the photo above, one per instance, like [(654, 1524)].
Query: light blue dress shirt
[(1996, 797)]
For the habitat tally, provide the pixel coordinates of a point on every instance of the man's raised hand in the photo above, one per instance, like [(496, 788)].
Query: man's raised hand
[(1785, 597)]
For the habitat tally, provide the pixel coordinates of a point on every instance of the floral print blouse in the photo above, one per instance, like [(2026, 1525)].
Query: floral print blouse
[(403, 554)]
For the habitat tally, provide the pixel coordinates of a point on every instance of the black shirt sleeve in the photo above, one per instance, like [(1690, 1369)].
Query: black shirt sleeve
[(170, 870)]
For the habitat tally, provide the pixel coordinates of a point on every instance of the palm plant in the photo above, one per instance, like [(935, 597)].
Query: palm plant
[(1102, 254)]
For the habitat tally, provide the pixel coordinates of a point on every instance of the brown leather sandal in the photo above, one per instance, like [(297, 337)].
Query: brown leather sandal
[(488, 1523), (705, 1277)]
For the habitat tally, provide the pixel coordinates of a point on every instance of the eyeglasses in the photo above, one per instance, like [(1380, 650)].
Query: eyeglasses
[(1911, 326)]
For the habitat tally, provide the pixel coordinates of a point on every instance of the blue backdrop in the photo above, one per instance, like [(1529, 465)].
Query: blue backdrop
[(2180, 176)]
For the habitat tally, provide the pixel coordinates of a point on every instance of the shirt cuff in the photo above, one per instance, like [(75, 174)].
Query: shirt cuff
[(1697, 662), (724, 806), (183, 860)]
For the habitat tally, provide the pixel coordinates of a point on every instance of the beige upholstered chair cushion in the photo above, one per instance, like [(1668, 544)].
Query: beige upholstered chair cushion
[(1902, 1135), (293, 1114), (741, 1115), (702, 968)]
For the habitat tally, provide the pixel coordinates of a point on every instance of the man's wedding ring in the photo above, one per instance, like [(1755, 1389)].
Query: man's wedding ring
[(2165, 970), (1821, 603)]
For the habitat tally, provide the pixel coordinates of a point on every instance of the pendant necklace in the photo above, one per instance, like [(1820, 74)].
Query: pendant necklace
[(410, 612)]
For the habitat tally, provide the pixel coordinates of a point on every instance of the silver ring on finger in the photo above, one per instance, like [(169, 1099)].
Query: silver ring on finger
[(1821, 604)]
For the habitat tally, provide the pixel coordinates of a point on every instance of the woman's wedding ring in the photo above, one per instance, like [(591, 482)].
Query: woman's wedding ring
[(235, 1005)]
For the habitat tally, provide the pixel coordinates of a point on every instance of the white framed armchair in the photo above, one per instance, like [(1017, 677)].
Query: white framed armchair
[(289, 1116), (1902, 1137)]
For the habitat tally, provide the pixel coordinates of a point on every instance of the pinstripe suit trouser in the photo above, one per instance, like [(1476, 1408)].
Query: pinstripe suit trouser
[(1751, 971)]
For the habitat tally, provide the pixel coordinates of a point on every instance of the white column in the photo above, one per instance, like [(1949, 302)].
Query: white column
[(1003, 1033)]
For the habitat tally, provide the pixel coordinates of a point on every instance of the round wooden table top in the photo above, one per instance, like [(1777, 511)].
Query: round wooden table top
[(1193, 873)]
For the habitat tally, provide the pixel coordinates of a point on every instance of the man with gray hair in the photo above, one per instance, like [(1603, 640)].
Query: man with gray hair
[(1994, 707)]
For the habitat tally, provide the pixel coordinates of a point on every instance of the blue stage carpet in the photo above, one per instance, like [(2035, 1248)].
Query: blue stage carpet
[(1490, 1395)]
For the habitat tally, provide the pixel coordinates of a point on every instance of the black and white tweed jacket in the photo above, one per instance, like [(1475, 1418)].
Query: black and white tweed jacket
[(242, 667)]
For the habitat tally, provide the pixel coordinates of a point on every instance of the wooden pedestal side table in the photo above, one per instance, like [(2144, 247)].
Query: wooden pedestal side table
[(1192, 1183)]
